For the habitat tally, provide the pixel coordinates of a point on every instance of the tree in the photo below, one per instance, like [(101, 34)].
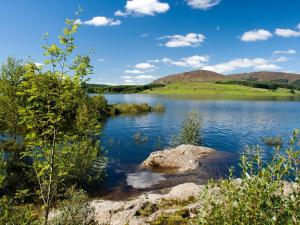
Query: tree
[(55, 130), (11, 76)]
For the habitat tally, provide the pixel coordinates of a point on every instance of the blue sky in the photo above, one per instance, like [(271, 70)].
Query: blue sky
[(136, 41)]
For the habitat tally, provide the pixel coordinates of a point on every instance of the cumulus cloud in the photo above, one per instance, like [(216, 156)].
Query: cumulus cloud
[(243, 63), (143, 7), (140, 77), (288, 52), (134, 71), (99, 21), (203, 4), (144, 66), (189, 40), (195, 61), (282, 59), (256, 35), (286, 33)]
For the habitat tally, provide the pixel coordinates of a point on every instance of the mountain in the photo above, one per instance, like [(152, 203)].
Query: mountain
[(206, 76), (267, 76), (193, 76)]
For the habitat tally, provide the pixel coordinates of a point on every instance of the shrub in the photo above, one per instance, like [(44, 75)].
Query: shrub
[(76, 210), (273, 141), (190, 130), (261, 196), (159, 108)]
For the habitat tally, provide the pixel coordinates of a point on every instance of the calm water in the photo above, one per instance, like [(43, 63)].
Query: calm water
[(227, 126)]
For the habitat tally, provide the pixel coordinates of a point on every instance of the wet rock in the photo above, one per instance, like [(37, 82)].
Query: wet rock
[(181, 158)]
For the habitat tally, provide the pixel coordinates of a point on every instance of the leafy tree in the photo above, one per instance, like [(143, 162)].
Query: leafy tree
[(56, 117), (11, 76)]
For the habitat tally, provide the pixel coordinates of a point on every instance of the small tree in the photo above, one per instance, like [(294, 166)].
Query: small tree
[(52, 100), (191, 129)]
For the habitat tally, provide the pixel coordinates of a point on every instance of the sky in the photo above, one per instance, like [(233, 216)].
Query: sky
[(138, 41)]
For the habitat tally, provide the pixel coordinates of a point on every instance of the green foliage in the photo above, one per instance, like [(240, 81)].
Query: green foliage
[(76, 209), (273, 141), (125, 108), (139, 139), (271, 85), (61, 126), (262, 196), (96, 88), (159, 108), (190, 132), (11, 75), (12, 213), (100, 105)]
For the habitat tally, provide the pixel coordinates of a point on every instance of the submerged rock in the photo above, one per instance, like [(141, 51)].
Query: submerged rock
[(181, 158)]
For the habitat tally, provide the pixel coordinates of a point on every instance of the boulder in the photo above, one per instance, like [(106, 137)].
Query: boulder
[(180, 159)]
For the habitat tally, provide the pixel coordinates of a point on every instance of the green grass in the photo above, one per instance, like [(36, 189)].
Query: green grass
[(213, 89)]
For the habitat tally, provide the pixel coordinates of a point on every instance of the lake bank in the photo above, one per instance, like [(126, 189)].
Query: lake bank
[(221, 90)]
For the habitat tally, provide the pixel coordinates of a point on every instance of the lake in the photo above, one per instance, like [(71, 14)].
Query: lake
[(227, 126)]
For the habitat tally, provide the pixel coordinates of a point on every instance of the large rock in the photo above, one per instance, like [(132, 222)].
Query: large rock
[(128, 212), (181, 158)]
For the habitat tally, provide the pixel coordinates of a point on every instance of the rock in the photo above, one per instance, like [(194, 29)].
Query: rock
[(127, 212), (181, 158)]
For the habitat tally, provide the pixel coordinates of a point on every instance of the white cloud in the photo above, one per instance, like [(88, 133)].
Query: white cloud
[(129, 81), (100, 60), (140, 77), (298, 26), (243, 63), (288, 52), (282, 59), (144, 66), (286, 33), (153, 61), (268, 67), (256, 35), (143, 7), (203, 4), (195, 61), (134, 71), (189, 40), (39, 65), (99, 21)]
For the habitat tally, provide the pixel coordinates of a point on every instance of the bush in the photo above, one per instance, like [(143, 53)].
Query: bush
[(12, 213), (263, 195), (76, 210), (159, 108), (273, 141), (190, 130)]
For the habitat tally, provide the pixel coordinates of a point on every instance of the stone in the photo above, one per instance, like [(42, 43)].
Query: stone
[(180, 159)]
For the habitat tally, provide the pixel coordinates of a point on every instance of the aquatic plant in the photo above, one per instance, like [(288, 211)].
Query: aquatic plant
[(273, 141), (190, 132)]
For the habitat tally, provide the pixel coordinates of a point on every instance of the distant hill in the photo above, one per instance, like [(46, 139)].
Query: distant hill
[(267, 76), (206, 76), (193, 76)]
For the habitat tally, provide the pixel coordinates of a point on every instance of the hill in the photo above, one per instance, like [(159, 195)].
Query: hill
[(208, 76), (191, 77), (267, 76)]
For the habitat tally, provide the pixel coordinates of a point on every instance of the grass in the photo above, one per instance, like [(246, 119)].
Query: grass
[(213, 89)]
